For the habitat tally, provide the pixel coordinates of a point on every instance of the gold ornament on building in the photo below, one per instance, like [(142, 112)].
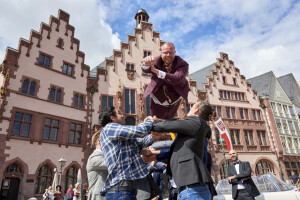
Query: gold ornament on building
[(130, 75)]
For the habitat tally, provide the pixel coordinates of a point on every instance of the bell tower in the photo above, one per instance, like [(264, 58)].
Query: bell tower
[(140, 16)]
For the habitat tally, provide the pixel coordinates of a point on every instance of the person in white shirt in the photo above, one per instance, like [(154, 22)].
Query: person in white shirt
[(239, 175)]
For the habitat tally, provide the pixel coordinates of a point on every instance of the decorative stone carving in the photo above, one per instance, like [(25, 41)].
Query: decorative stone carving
[(130, 74)]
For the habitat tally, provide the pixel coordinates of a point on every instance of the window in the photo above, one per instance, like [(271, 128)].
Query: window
[(285, 110), (234, 81), (219, 111), (50, 129), (221, 94), (55, 94), (75, 133), (129, 101), (71, 177), (233, 113), (22, 124), (291, 125), (235, 95), (224, 93), (291, 110), (248, 134), (68, 69), (279, 108), (246, 114), (242, 113), (78, 101), (60, 43), (253, 114), (44, 61), (287, 164), (228, 112), (258, 115), (224, 79), (44, 179), (217, 136), (129, 66), (107, 101), (228, 95), (262, 137), (263, 167), (273, 107), (235, 136), (239, 96), (147, 53), (28, 87), (243, 96)]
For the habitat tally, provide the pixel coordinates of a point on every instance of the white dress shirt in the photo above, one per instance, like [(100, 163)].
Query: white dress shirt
[(237, 168)]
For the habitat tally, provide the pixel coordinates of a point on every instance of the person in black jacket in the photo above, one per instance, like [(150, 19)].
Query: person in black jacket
[(185, 163), (239, 175)]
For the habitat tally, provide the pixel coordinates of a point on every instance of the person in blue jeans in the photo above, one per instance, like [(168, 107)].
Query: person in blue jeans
[(121, 147)]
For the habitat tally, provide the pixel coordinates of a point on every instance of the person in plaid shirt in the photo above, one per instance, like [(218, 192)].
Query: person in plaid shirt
[(121, 146)]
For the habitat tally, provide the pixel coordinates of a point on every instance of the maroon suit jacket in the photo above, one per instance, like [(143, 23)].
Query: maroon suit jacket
[(176, 78)]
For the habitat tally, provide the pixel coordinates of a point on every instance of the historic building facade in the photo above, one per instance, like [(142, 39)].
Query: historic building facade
[(50, 102), (44, 113), (238, 105), (283, 121)]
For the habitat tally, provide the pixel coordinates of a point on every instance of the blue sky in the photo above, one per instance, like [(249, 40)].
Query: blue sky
[(258, 35)]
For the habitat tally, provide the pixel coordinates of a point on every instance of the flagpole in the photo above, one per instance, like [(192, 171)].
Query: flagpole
[(225, 162)]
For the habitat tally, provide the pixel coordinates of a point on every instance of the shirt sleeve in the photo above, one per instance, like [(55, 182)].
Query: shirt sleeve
[(131, 132), (161, 74)]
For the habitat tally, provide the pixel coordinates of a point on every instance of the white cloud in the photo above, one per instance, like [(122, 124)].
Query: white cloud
[(88, 17)]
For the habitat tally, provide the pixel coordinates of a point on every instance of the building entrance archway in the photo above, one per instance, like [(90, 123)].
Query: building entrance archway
[(11, 183)]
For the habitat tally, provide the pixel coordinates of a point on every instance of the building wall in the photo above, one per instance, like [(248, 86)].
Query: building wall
[(23, 64), (215, 84)]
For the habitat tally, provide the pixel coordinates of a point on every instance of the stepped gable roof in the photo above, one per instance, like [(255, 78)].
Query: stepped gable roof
[(201, 75), (286, 82), (93, 72), (261, 84)]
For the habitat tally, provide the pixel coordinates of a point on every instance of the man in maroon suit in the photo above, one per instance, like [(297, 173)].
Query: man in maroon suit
[(168, 82)]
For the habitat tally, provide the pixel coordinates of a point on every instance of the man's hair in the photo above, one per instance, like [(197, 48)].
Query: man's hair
[(207, 112), (104, 117), (95, 138), (169, 43)]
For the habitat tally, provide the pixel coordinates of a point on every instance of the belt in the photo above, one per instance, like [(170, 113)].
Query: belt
[(121, 188), (190, 186)]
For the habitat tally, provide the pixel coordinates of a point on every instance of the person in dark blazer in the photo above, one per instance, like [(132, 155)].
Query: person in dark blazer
[(185, 163), (168, 82), (239, 175)]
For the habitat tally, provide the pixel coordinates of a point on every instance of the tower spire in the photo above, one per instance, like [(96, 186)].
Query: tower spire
[(140, 16)]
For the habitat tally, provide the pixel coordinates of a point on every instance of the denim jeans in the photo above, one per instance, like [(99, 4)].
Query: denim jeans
[(120, 195), (198, 192)]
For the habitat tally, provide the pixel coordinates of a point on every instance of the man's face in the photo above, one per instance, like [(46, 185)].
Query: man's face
[(233, 155), (119, 117), (168, 53)]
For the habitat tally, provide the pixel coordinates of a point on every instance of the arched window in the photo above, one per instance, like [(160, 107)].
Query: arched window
[(71, 177), (13, 169), (263, 167), (44, 179)]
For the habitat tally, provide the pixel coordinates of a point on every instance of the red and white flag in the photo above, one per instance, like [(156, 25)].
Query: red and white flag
[(224, 133)]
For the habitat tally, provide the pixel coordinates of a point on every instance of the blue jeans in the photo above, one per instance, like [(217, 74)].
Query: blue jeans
[(120, 195), (198, 192)]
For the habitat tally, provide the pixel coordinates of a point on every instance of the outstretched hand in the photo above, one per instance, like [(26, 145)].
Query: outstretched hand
[(149, 61)]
